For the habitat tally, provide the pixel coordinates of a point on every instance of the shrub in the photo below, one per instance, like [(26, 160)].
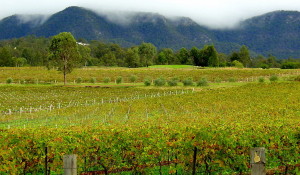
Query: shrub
[(273, 78), (160, 82), (133, 78), (173, 82), (119, 80), (290, 65), (297, 78), (202, 82), (9, 81), (188, 82), (22, 81), (93, 80), (78, 80), (147, 82), (106, 80), (264, 66), (218, 80), (261, 79), (231, 79), (237, 64)]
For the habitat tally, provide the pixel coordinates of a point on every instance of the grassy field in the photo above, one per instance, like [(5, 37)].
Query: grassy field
[(115, 127), (42, 75)]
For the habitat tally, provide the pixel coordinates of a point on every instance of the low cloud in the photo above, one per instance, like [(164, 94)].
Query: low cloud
[(213, 13)]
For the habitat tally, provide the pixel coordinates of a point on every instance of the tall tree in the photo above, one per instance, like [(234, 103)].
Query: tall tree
[(212, 55), (244, 56), (147, 52), (133, 58), (184, 56), (195, 55), (64, 53)]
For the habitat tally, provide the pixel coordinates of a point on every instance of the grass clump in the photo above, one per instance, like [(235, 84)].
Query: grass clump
[(133, 78), (188, 82), (160, 82), (78, 80), (9, 81), (273, 78), (173, 82), (261, 79), (232, 80), (106, 80), (119, 80), (147, 82), (202, 82), (93, 80)]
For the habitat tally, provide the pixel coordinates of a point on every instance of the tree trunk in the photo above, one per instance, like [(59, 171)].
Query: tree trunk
[(65, 74)]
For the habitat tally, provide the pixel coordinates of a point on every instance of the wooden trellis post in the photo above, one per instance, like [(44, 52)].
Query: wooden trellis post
[(258, 161), (70, 164)]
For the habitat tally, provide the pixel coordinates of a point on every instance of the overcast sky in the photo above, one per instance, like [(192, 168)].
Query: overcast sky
[(213, 13)]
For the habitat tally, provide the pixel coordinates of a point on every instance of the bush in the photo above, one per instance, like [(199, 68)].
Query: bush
[(106, 80), (22, 81), (173, 82), (261, 79), (78, 80), (93, 80), (264, 66), (147, 82), (273, 78), (188, 82), (297, 78), (160, 82), (119, 80), (9, 81), (290, 65), (237, 64), (231, 79), (133, 78), (202, 82)]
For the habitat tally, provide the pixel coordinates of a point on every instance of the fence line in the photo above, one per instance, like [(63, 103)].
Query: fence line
[(71, 103)]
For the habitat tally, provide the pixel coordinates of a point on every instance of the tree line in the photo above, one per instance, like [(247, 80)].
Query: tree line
[(34, 51)]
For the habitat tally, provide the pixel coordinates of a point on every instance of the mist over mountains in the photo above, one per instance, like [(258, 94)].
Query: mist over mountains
[(275, 33)]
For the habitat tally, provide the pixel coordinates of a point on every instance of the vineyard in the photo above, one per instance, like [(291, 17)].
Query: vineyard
[(136, 127), (42, 75)]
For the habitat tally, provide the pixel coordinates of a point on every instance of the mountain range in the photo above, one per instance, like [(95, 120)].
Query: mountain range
[(275, 33)]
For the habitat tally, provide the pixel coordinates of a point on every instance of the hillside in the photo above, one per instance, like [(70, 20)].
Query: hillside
[(274, 33)]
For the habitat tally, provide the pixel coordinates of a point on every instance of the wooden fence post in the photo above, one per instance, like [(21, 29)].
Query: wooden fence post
[(70, 164), (258, 161), (194, 161)]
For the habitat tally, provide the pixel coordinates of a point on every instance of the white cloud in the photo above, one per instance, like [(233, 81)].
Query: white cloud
[(214, 13)]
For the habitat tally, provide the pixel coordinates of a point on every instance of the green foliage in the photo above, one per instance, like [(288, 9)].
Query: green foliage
[(64, 53), (119, 80), (93, 80), (297, 78), (133, 78), (106, 80), (264, 66), (173, 82), (159, 82), (202, 82), (147, 51), (147, 82), (150, 127), (9, 81), (184, 56), (273, 78), (290, 65), (22, 81), (231, 79), (237, 64), (261, 79), (188, 82), (78, 80)]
